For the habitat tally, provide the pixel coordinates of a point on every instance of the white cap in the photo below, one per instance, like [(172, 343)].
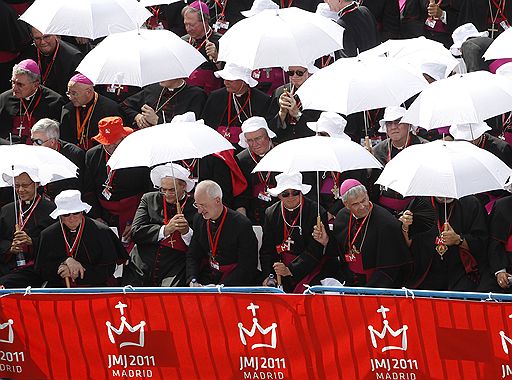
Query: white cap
[(391, 114), (172, 171), (434, 70), (68, 202), (461, 35), (254, 124), (235, 72), (259, 6), (469, 131), (32, 172), (505, 69), (331, 123), (323, 10), (287, 181)]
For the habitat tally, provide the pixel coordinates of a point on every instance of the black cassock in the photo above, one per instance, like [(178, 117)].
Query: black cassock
[(307, 5), (44, 103), (498, 147), (165, 258), (98, 251), (382, 259), (236, 259), (104, 107), (291, 128), (304, 258), (458, 269), (360, 29), (76, 156), (12, 276), (387, 15), (477, 13), (162, 100)]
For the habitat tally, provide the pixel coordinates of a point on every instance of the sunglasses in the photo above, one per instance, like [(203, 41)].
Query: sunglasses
[(72, 213), (39, 141), (290, 193), (299, 73)]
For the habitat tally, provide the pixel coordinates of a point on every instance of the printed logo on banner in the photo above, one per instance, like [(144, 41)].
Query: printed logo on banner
[(139, 327), (9, 337), (391, 368), (10, 361), (260, 367), (506, 341)]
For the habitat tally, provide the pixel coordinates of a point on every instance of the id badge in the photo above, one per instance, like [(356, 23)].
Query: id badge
[(214, 264), (264, 196), (430, 23), (280, 248), (350, 258), (106, 194), (256, 74), (504, 24), (112, 88)]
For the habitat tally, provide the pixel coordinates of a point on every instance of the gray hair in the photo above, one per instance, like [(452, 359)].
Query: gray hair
[(16, 70), (212, 188), (190, 9), (353, 192), (49, 126)]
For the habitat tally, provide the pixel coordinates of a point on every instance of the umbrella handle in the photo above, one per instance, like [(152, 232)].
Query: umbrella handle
[(178, 207), (279, 281), (67, 281), (446, 226), (318, 221), (367, 144)]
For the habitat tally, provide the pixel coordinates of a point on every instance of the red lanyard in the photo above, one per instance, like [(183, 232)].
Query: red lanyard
[(351, 8), (326, 61), (263, 181), (481, 144), (50, 65), (288, 231), (190, 167), (222, 5), (23, 221), (500, 8), (283, 3), (25, 107), (214, 241), (198, 47), (352, 241), (447, 218), (165, 207), (336, 178), (230, 100), (71, 249)]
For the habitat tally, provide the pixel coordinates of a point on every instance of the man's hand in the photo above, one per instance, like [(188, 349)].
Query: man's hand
[(127, 233), (502, 279), (282, 270), (406, 219), (434, 10), (320, 235), (177, 223), (21, 237), (211, 51), (149, 114), (75, 268), (141, 121), (450, 237), (63, 271)]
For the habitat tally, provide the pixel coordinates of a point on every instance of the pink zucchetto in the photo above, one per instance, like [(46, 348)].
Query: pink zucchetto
[(29, 65), (81, 78), (348, 184), (199, 5)]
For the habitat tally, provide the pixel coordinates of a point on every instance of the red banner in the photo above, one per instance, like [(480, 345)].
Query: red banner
[(252, 336)]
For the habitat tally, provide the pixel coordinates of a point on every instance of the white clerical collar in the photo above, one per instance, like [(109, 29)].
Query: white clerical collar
[(177, 87), (31, 96)]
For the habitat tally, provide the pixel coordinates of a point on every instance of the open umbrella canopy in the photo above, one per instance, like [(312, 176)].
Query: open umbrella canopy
[(317, 153), (460, 99), (167, 142), (501, 47), (85, 18), (149, 3), (139, 58), (52, 166), (280, 37), (352, 85), (451, 169)]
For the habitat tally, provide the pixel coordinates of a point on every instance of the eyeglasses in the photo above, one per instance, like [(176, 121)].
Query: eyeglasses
[(299, 73), (45, 37), (23, 185), (71, 213), (290, 193), (164, 191), (39, 141), (198, 205), (255, 140)]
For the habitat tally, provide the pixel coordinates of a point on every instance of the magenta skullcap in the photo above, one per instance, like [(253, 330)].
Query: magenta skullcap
[(199, 5), (81, 78), (29, 65), (348, 184)]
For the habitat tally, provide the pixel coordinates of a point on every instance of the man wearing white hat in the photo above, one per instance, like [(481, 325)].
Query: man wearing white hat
[(77, 247), (256, 138), (285, 115), (293, 244), (227, 108), (163, 234), (19, 234)]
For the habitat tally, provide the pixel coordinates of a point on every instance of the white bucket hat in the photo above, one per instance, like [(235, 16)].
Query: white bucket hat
[(235, 72), (391, 114), (469, 131), (287, 181), (330, 122), (68, 202), (171, 170), (33, 173), (323, 10), (462, 34), (254, 124), (259, 6)]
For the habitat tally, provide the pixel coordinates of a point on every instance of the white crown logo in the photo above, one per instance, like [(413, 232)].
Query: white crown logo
[(505, 340), (373, 333), (8, 325), (256, 326), (139, 327)]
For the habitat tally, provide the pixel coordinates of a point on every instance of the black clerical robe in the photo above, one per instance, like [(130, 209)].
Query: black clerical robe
[(305, 255), (477, 12), (307, 5), (387, 15), (380, 257), (98, 251), (500, 148), (255, 198), (166, 103), (360, 29), (125, 186), (15, 118), (500, 236), (458, 269), (12, 275), (236, 256), (230, 9), (87, 117), (164, 258), (76, 156)]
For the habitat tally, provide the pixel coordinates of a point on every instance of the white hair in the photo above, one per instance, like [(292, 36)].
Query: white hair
[(212, 188), (353, 192), (49, 126)]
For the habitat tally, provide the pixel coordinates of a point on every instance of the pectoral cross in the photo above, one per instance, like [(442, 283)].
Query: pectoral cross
[(335, 191), (493, 29), (171, 241), (20, 129), (267, 71), (288, 243)]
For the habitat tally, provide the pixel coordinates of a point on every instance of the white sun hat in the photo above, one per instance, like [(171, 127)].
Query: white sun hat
[(287, 181), (254, 124), (331, 123), (171, 170), (235, 72), (68, 202), (469, 131)]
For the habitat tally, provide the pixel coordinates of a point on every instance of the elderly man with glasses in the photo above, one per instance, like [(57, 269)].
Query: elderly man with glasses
[(161, 230), (27, 102)]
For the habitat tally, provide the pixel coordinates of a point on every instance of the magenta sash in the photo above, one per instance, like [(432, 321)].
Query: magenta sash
[(205, 79), (226, 270), (508, 244), (232, 134), (288, 257), (393, 203)]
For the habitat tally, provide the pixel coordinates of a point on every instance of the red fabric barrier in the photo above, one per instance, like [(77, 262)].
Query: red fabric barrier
[(249, 336)]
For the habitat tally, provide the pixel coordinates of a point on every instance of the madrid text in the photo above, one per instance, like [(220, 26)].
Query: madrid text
[(256, 367), (394, 369), (127, 362), (9, 361)]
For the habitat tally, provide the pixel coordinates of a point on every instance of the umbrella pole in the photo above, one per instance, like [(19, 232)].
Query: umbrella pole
[(204, 26), (367, 144), (318, 220), (14, 188), (178, 206), (68, 283)]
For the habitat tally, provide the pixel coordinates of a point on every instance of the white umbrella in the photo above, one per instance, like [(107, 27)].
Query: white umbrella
[(460, 99), (451, 169), (280, 37), (85, 18), (52, 166), (501, 47), (139, 58), (352, 85), (149, 3), (317, 153), (167, 142)]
